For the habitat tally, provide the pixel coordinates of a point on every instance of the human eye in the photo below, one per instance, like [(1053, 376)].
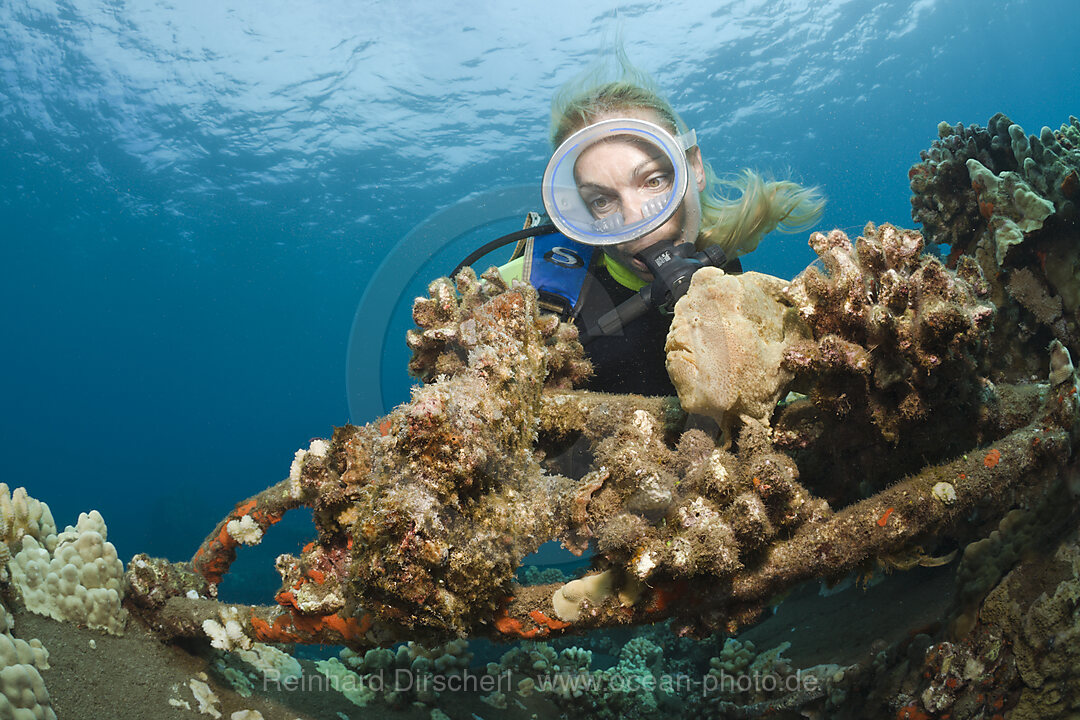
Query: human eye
[(600, 205), (658, 181)]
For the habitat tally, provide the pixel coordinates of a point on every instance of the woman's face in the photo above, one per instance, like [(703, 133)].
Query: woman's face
[(621, 175)]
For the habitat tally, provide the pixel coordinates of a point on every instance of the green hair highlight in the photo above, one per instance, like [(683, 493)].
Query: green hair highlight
[(738, 223)]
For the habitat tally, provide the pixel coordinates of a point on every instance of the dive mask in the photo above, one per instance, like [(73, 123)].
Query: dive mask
[(617, 180)]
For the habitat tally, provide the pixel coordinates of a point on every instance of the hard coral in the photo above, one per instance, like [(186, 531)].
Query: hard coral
[(1008, 200), (447, 332), (440, 526), (1043, 630), (943, 200), (721, 512), (895, 334)]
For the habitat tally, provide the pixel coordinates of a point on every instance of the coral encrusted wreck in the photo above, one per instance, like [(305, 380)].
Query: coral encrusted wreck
[(1009, 201), (909, 398)]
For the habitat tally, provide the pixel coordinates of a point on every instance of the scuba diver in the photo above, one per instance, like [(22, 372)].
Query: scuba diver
[(634, 210)]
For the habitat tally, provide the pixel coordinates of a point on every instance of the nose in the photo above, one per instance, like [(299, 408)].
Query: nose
[(633, 209)]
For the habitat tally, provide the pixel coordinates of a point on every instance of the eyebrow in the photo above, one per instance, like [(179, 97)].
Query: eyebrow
[(638, 170)]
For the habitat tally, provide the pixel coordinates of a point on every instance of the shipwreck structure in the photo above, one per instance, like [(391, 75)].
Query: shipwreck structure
[(909, 398)]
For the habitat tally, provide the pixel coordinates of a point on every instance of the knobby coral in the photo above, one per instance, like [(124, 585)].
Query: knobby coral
[(895, 334), (446, 333), (1008, 200), (894, 368)]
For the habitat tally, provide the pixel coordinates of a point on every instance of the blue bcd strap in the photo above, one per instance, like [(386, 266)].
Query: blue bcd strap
[(557, 268)]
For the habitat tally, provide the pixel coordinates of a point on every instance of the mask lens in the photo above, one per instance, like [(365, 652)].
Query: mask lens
[(615, 181)]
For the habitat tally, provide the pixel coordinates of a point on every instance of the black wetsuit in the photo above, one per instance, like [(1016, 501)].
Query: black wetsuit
[(633, 361)]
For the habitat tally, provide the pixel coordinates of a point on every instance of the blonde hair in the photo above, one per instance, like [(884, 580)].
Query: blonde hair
[(735, 223)]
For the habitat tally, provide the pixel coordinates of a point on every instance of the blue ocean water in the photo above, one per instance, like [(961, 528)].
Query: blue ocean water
[(194, 197)]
